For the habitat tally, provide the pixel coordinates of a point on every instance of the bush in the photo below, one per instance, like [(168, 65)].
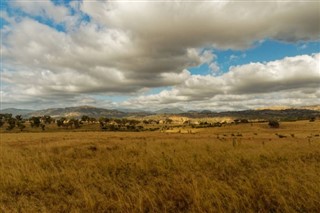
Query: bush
[(1, 122), (21, 126), (274, 124), (11, 123), (35, 122), (313, 119)]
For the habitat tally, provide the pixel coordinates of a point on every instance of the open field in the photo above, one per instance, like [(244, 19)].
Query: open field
[(236, 168)]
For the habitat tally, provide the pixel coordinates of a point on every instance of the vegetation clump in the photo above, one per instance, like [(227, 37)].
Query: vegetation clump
[(274, 124), (312, 119)]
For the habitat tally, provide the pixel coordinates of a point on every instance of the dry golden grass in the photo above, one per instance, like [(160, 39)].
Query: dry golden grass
[(240, 168)]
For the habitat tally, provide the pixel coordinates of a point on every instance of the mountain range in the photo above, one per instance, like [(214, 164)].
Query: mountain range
[(77, 112), (15, 111)]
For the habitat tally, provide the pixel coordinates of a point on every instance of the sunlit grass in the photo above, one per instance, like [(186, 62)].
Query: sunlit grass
[(159, 172)]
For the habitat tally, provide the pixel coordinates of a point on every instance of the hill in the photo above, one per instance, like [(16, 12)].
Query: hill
[(15, 111), (267, 114), (90, 111), (289, 114), (173, 110), (312, 107)]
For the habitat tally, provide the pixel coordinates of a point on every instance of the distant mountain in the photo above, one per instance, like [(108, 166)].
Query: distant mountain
[(15, 111), (77, 112), (173, 110), (132, 110), (90, 111), (267, 114)]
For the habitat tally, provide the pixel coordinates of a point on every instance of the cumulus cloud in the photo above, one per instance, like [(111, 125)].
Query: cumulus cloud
[(128, 47), (223, 24), (292, 80)]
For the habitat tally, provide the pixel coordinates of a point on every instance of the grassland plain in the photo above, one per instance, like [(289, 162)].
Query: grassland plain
[(238, 168)]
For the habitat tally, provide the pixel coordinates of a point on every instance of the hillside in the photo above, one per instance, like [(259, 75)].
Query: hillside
[(312, 107), (287, 114), (174, 110), (77, 112), (15, 111)]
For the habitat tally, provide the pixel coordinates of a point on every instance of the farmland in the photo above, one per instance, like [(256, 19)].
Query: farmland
[(233, 168)]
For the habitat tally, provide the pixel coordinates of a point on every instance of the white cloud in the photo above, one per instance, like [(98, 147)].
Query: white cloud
[(292, 80), (129, 47), (207, 57), (214, 67), (224, 24)]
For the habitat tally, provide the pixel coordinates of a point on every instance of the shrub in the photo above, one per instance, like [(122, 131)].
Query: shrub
[(35, 122), (11, 123), (1, 122), (274, 124), (313, 119), (21, 126)]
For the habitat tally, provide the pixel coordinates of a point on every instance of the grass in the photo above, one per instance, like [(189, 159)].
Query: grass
[(162, 172)]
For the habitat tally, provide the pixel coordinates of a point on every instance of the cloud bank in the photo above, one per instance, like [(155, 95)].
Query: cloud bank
[(127, 48), (290, 81)]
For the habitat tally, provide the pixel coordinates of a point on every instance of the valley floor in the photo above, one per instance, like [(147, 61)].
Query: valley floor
[(238, 168)]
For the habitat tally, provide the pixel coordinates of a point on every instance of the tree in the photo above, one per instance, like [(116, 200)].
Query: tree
[(145, 122), (92, 120), (7, 116), (42, 126), (118, 121), (76, 123), (1, 122), (21, 126), (18, 117), (12, 123), (85, 118), (47, 119), (35, 122), (134, 122), (274, 124), (60, 121), (312, 119)]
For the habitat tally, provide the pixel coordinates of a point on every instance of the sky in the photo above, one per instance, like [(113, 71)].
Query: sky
[(195, 55)]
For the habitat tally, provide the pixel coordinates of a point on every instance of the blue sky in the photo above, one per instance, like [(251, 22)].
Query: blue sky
[(154, 55), (264, 51)]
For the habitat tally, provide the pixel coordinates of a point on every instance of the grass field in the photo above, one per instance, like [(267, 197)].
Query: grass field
[(239, 168)]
